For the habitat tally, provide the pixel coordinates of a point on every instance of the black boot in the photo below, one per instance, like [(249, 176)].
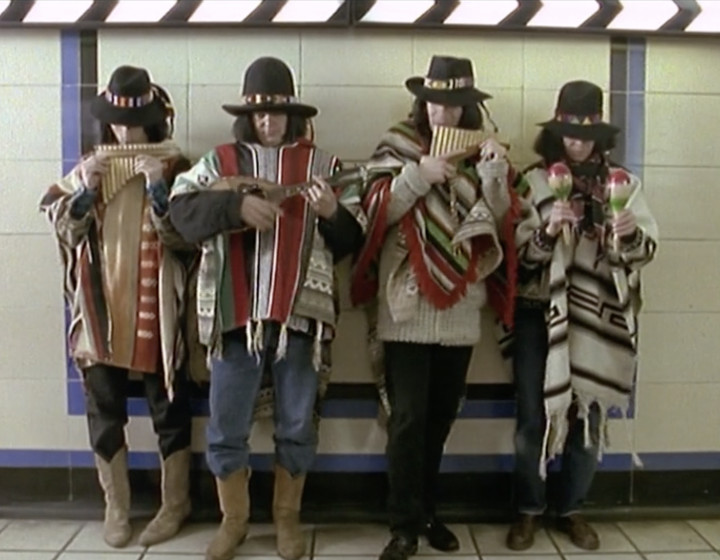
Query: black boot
[(400, 547), (440, 537)]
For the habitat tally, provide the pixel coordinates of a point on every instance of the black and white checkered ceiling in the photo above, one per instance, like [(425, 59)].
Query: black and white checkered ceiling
[(604, 16)]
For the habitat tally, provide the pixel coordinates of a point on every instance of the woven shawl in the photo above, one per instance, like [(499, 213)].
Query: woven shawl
[(592, 327)]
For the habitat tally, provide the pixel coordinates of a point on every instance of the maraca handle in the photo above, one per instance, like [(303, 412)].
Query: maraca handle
[(567, 234)]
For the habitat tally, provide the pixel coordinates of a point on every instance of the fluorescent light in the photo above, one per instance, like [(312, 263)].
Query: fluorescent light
[(397, 11), (3, 4), (481, 12), (135, 11), (57, 11), (644, 15), (307, 10), (561, 13), (708, 20), (222, 10)]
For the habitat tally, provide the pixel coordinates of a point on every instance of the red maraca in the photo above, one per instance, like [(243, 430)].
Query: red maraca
[(560, 182)]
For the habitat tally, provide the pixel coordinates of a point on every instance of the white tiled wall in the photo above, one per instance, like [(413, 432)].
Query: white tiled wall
[(356, 79), (32, 355), (680, 363)]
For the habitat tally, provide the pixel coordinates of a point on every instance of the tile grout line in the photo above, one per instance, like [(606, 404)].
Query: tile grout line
[(687, 522), (632, 542), (313, 540), (71, 539), (474, 541)]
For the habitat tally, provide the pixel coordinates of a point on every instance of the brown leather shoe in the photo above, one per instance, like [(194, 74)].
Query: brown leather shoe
[(580, 533), (521, 535)]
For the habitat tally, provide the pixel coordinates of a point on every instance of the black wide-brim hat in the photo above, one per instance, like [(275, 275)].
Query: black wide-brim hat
[(269, 86), (130, 99), (579, 113), (449, 81)]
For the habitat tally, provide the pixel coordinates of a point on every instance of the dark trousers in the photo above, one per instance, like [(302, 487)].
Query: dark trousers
[(578, 462), (425, 384), (106, 391)]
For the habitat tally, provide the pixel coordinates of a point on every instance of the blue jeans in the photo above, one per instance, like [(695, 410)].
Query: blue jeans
[(578, 462), (234, 384)]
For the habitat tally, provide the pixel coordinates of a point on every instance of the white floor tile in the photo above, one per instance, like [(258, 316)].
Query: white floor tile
[(350, 539), (118, 555), (663, 536), (603, 556), (173, 557), (37, 535), (16, 555), (612, 539), (462, 532), (90, 539), (192, 539), (491, 540), (524, 556), (709, 529), (683, 556)]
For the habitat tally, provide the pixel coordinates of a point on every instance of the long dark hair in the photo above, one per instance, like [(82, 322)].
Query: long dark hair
[(244, 130), (470, 119), (549, 146), (156, 132)]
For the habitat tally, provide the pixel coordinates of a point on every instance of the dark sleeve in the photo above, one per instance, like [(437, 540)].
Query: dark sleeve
[(341, 232), (200, 215)]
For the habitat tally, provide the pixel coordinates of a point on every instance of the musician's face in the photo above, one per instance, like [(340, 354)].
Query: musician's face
[(444, 115), (129, 134), (270, 127), (578, 150)]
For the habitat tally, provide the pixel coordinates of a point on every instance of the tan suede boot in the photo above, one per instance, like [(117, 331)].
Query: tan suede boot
[(113, 477), (175, 489), (286, 514), (235, 506)]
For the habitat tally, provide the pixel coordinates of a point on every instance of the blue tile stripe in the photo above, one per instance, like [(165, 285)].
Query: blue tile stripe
[(70, 118), (70, 97), (635, 107), (454, 463)]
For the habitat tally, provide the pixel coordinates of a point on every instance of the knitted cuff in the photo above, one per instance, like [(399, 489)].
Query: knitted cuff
[(81, 202), (158, 193)]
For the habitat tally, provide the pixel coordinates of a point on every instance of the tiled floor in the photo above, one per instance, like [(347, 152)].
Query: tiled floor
[(635, 540)]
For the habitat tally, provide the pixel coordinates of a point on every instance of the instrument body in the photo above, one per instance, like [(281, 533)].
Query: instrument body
[(277, 193)]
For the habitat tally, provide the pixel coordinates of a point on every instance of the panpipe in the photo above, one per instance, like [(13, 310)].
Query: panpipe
[(122, 163), (449, 139)]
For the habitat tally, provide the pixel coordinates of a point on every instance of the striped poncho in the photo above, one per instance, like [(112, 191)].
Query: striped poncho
[(594, 301)]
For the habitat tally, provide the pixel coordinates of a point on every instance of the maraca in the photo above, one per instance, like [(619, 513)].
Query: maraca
[(560, 182), (619, 190)]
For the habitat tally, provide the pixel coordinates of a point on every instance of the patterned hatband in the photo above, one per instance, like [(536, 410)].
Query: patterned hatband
[(452, 83), (262, 98), (129, 102)]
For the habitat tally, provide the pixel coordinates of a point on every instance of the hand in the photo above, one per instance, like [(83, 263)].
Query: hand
[(322, 198), (92, 169), (560, 214), (623, 223), (259, 213), (436, 170), (492, 150), (149, 166)]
